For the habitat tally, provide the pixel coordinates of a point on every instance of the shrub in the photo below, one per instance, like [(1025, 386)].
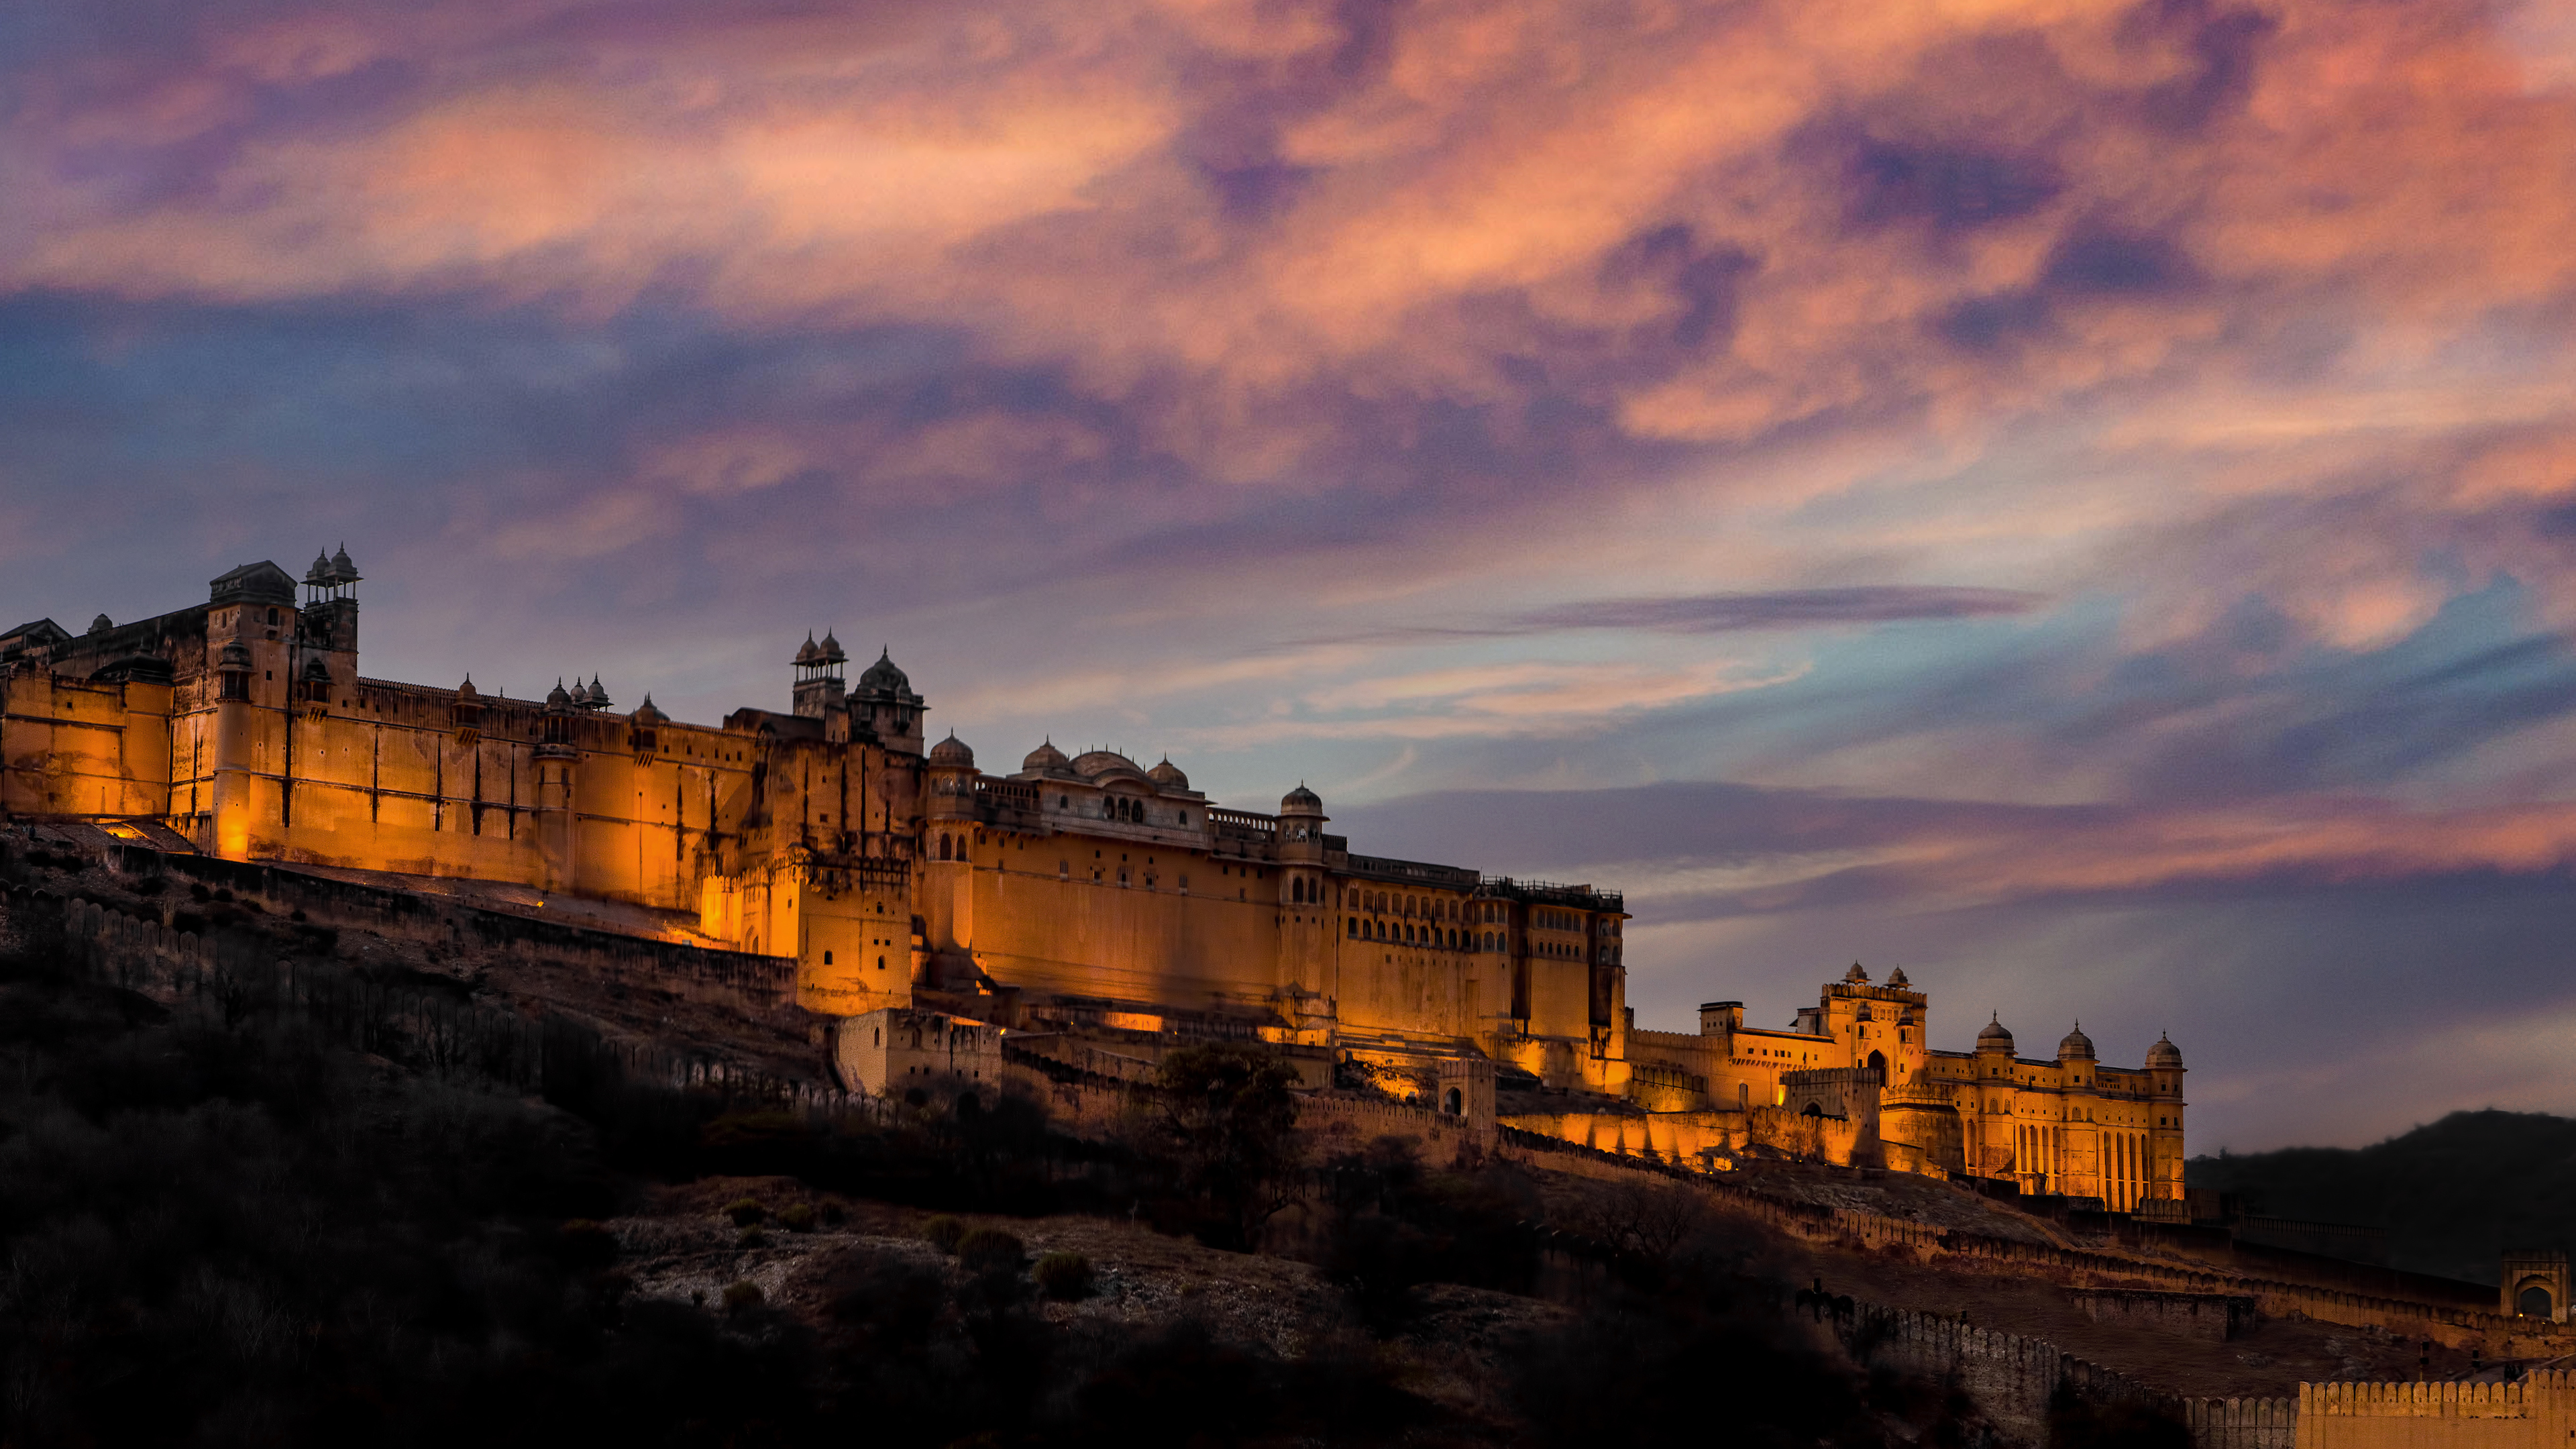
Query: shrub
[(745, 1211), (798, 1218), (1064, 1275), (752, 1238), (197, 891), (943, 1232), (987, 1249), (741, 1295)]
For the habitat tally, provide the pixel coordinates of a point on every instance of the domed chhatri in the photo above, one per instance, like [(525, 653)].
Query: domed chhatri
[(1301, 801), (646, 714), (1104, 764), (1897, 978), (1994, 1036), (1168, 775), (1045, 757), (1856, 976), (883, 677), (829, 651), (952, 753), (343, 571), (2076, 1046), (2164, 1056), (807, 652)]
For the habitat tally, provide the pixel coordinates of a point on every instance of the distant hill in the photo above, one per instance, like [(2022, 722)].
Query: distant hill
[(2453, 1195)]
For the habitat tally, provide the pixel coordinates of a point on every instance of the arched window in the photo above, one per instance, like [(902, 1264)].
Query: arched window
[(1878, 1063), (1455, 1103), (2532, 1302), (1354, 923)]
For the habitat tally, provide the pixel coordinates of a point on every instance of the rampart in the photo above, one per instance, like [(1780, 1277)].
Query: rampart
[(2014, 1380), (2535, 1412), (2216, 1317)]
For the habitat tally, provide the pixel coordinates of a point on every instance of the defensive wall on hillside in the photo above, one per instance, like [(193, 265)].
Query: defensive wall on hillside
[(2536, 1412), (2012, 1378)]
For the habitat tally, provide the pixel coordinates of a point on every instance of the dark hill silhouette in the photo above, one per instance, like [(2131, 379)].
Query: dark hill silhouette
[(2453, 1194)]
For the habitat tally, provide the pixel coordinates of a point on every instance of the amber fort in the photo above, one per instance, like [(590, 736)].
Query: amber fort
[(1088, 896), (873, 904)]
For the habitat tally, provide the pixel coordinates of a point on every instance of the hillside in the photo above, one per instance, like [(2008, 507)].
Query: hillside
[(2453, 1194)]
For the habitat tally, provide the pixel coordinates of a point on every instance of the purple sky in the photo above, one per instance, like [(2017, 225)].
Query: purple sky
[(2075, 501)]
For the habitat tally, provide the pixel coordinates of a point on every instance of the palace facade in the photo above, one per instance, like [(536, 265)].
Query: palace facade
[(1083, 891)]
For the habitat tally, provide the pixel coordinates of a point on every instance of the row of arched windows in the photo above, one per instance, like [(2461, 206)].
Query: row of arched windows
[(1405, 933)]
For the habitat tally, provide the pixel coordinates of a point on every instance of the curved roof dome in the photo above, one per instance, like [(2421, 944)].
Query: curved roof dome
[(1168, 775), (883, 675), (556, 698), (2164, 1054), (829, 651), (2076, 1045), (1045, 757), (951, 751), (1301, 801), (646, 714), (1994, 1035), (343, 571), (1897, 977), (1103, 764), (466, 693), (1856, 975), (806, 652)]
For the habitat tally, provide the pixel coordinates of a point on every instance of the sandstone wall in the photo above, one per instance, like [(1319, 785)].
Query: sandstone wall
[(2537, 1413)]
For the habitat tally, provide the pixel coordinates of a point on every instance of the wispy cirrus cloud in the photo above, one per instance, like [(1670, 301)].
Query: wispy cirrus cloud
[(1727, 613)]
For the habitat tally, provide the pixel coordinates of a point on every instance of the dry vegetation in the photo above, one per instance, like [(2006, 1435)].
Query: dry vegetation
[(239, 1231)]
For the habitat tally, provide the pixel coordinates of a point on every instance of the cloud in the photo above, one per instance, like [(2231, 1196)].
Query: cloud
[(2135, 440), (1733, 613)]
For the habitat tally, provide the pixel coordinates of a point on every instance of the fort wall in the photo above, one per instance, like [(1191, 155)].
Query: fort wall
[(2014, 1380), (2537, 1412)]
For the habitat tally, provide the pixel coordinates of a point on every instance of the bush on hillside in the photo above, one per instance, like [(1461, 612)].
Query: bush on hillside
[(1063, 1275)]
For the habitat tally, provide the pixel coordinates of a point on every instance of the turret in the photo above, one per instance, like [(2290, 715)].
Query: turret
[(820, 691), (558, 757), (952, 780), (2164, 1067), (1994, 1049), (233, 778), (885, 706)]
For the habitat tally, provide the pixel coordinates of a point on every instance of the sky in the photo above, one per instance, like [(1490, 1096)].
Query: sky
[(2076, 500)]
